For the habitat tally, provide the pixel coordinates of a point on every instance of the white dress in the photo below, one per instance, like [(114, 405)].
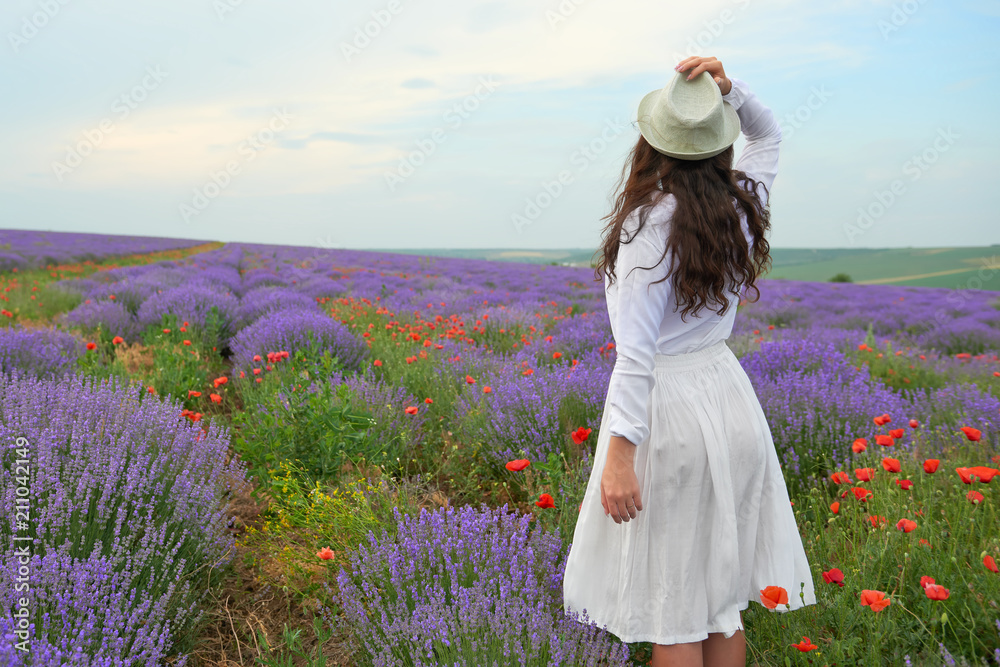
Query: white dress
[(716, 525)]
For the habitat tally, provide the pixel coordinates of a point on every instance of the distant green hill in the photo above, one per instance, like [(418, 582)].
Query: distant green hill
[(955, 268)]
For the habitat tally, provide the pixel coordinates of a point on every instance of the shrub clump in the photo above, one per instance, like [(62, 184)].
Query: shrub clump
[(127, 507), (466, 586)]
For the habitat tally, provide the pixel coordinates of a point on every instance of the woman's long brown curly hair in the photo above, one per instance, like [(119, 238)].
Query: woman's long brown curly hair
[(705, 235)]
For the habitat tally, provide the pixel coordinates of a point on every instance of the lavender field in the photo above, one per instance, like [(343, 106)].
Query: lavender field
[(23, 249), (281, 455)]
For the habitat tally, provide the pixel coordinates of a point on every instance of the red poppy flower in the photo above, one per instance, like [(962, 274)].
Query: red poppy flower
[(861, 493), (897, 433), (545, 501), (936, 592), (805, 645), (220, 380), (925, 543), (891, 465), (556, 355), (166, 331), (215, 398), (518, 465), (859, 445), (411, 410), (840, 478), (192, 392), (991, 564), (865, 474), (975, 497), (470, 380), (326, 553), (877, 520), (914, 423), (150, 390), (925, 581), (884, 440), (906, 525), (117, 340), (931, 465), (256, 358), (972, 433), (580, 435), (834, 576), (984, 473), (835, 507), (187, 342), (874, 599), (486, 389), (904, 484), (965, 474), (772, 596), (91, 346)]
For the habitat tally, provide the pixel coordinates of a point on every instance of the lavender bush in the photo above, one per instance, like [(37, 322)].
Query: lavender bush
[(531, 416), (263, 300), (210, 311), (466, 587), (395, 432), (127, 513), (110, 317), (816, 404), (296, 329), (43, 353)]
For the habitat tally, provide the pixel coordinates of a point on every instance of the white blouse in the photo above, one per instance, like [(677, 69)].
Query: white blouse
[(641, 323)]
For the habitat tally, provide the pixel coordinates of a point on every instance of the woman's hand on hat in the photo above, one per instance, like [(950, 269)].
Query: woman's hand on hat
[(699, 64)]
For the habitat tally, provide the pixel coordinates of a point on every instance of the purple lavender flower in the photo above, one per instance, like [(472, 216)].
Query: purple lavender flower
[(127, 505), (210, 311), (396, 432), (456, 586), (110, 317), (263, 300), (295, 329), (39, 248), (816, 403), (43, 353)]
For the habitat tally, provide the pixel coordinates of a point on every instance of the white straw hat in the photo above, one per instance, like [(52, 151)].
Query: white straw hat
[(688, 119)]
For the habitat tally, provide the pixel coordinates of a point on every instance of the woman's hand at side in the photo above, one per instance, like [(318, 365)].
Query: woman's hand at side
[(699, 64), (619, 485)]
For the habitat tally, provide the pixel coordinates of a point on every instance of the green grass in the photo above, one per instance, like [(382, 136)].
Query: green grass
[(889, 265)]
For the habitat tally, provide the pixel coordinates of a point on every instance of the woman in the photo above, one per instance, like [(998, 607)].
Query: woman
[(686, 517)]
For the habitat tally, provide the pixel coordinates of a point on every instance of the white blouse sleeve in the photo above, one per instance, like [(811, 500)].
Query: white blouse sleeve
[(759, 158), (640, 311)]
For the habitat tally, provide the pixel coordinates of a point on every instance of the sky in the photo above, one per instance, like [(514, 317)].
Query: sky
[(449, 123)]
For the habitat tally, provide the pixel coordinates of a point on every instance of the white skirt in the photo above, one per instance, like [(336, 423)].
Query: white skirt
[(716, 525)]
